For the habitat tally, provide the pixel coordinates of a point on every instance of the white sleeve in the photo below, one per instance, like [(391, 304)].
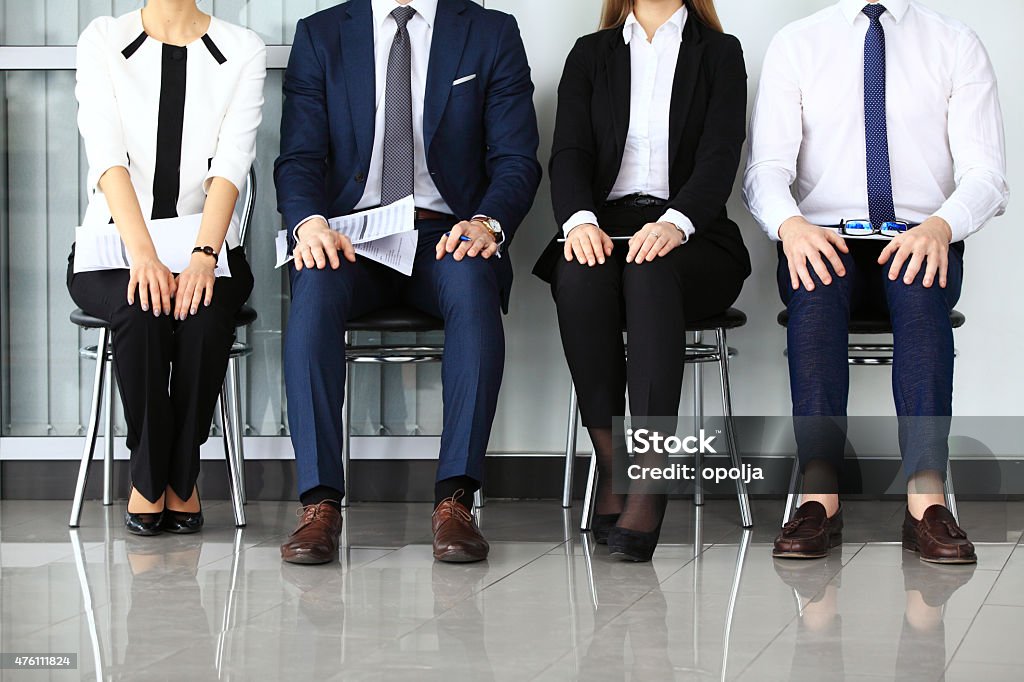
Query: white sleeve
[(776, 133), (236, 143), (578, 218), (99, 119), (977, 142)]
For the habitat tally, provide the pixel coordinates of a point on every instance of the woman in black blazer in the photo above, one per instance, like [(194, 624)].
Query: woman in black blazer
[(651, 120)]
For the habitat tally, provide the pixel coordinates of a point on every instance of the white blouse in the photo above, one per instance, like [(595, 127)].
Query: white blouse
[(175, 117)]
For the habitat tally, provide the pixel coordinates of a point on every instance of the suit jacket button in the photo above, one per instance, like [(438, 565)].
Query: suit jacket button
[(360, 177)]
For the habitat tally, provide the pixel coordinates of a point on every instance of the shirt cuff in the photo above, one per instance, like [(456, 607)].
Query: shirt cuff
[(959, 218), (295, 230), (682, 223), (579, 218)]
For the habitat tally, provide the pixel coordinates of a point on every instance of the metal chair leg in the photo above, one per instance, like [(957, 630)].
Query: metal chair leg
[(237, 431), (479, 501), (794, 483), (346, 429), (949, 492), (90, 434), (698, 423), (231, 457), (570, 446), (108, 437), (746, 519), (587, 518)]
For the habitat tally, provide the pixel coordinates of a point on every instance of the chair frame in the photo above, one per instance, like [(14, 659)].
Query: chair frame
[(105, 386), (862, 354), (697, 354), (383, 354)]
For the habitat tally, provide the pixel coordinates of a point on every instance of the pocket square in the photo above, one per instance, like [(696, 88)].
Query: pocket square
[(464, 79)]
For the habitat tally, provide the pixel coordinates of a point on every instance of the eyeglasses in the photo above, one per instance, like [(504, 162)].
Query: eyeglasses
[(865, 228)]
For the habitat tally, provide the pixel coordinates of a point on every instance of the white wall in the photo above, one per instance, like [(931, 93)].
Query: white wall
[(534, 399)]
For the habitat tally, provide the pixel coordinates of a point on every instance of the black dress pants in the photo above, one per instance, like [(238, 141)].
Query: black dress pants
[(169, 372), (651, 302)]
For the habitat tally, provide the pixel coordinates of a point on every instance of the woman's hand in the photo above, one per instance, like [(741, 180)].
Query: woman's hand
[(589, 244), (155, 283), (654, 240), (195, 286)]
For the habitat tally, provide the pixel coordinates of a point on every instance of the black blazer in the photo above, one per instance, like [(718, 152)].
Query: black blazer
[(707, 130)]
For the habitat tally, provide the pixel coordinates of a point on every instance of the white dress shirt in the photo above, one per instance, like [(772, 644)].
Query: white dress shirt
[(945, 126), (119, 87), (421, 33), (645, 162)]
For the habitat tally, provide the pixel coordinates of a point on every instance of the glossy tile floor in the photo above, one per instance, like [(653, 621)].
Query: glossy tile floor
[(546, 606)]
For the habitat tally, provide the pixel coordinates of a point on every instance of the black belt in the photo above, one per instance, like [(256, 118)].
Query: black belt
[(636, 201)]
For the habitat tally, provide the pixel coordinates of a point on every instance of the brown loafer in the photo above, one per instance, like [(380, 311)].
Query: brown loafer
[(457, 538), (315, 539), (811, 533), (937, 538)]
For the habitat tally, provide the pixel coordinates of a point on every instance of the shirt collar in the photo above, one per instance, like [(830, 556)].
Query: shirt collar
[(383, 8), (851, 9), (676, 21)]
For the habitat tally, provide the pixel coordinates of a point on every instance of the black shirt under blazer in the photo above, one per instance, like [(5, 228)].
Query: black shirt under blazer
[(707, 130)]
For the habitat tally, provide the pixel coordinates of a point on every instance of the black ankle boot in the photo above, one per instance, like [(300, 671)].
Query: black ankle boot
[(601, 526), (143, 524)]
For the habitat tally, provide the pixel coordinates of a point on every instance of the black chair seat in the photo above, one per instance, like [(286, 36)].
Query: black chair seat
[(245, 316), (730, 319), (397, 319), (879, 325)]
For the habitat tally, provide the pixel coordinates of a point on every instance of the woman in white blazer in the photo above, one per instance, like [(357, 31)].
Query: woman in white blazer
[(169, 101)]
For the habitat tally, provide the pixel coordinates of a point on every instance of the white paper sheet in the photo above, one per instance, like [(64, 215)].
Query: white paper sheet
[(386, 235), (100, 247)]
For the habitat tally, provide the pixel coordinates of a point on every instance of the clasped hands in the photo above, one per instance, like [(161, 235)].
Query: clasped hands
[(923, 248), (318, 245), (156, 285), (590, 245)]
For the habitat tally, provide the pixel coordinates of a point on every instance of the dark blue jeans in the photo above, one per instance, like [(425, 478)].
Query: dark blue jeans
[(466, 294), (922, 371)]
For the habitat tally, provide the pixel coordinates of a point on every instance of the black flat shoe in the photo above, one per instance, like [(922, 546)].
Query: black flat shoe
[(182, 523), (142, 524), (601, 526), (632, 545)]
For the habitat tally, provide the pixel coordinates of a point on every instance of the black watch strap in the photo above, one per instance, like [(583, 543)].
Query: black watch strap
[(208, 250)]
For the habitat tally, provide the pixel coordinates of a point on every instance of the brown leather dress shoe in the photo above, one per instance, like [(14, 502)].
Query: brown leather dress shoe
[(937, 537), (811, 533), (457, 538), (315, 539)]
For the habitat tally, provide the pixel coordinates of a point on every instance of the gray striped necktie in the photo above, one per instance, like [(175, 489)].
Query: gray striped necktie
[(399, 172)]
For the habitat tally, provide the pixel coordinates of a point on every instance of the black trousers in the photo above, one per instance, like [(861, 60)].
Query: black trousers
[(169, 372), (651, 302)]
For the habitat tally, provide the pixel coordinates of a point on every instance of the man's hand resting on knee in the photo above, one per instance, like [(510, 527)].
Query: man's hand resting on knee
[(803, 244), (319, 245), (478, 241)]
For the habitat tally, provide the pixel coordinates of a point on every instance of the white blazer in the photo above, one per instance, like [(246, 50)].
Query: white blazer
[(175, 117)]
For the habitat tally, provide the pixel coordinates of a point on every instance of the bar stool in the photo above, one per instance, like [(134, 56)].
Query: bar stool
[(869, 355), (104, 386), (698, 353), (393, 319)]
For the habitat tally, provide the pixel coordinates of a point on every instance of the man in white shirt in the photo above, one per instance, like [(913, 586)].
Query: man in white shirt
[(876, 148)]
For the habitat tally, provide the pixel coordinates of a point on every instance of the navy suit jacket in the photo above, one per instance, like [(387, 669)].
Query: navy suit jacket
[(481, 136)]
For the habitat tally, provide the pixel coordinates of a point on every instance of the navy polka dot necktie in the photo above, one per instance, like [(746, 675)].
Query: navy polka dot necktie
[(876, 135), (398, 175)]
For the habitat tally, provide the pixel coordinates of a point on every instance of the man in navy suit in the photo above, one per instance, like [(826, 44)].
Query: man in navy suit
[(386, 99)]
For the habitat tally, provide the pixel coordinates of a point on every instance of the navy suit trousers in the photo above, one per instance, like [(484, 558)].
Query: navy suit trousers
[(465, 294)]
